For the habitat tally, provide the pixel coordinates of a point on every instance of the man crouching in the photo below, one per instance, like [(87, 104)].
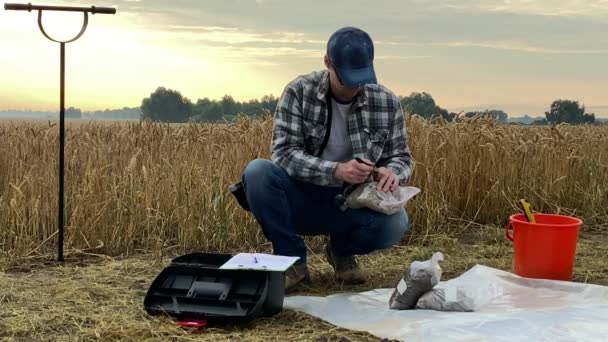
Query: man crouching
[(323, 123)]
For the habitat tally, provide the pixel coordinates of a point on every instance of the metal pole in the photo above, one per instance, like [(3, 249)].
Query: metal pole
[(85, 10), (61, 154)]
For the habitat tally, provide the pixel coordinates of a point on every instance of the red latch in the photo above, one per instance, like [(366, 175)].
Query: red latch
[(192, 323)]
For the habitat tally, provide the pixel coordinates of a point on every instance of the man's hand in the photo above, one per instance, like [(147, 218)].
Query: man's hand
[(387, 180), (354, 172)]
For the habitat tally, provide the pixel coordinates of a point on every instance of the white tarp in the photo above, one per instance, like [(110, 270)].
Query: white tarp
[(515, 309)]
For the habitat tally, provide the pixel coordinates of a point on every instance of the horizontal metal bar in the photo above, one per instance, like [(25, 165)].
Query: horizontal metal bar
[(30, 7)]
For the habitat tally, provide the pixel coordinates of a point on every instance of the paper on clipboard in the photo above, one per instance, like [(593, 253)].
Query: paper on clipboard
[(259, 262)]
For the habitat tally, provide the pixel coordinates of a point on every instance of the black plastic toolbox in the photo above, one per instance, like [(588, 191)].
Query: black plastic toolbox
[(193, 287)]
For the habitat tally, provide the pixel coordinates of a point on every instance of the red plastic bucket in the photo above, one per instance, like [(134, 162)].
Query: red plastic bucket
[(545, 249)]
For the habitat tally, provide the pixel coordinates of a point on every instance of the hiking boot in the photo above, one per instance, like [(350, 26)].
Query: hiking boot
[(346, 269), (296, 274)]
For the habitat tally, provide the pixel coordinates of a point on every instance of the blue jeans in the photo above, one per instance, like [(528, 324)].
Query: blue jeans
[(286, 208)]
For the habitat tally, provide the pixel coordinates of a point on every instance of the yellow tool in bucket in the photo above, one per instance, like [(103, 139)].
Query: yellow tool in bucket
[(527, 208)]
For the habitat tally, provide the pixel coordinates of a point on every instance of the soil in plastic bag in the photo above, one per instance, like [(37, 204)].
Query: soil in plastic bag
[(459, 294), (419, 278), (367, 195), (446, 299)]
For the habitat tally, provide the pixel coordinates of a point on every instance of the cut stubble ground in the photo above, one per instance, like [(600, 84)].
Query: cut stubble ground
[(101, 298)]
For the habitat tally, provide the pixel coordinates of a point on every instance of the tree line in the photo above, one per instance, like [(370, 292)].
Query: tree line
[(561, 111), (168, 105)]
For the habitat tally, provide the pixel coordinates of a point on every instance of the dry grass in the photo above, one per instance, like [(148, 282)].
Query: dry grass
[(134, 187), (102, 298)]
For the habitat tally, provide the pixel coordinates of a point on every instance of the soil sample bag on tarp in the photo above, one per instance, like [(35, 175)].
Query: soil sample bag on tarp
[(450, 298), (463, 294), (420, 278)]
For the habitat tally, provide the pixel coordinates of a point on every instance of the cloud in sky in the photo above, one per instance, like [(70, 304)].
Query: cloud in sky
[(464, 52), (588, 8)]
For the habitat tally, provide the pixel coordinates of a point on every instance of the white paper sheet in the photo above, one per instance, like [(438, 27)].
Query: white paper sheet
[(259, 261), (522, 310)]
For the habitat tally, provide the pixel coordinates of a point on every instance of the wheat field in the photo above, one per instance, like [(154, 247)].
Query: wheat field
[(136, 187)]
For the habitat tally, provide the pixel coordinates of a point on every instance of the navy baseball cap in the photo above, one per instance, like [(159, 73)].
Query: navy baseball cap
[(351, 52)]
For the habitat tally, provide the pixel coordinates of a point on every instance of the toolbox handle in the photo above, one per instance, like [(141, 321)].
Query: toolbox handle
[(204, 288)]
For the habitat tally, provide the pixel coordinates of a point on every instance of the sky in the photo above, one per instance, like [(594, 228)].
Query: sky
[(515, 55)]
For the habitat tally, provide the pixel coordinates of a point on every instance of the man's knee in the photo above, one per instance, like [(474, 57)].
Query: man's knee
[(261, 175), (260, 170), (257, 168), (392, 229)]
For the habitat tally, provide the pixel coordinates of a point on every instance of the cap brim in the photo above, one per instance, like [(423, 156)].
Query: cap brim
[(356, 77)]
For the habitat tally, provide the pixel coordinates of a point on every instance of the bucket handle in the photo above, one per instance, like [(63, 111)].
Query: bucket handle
[(508, 228)]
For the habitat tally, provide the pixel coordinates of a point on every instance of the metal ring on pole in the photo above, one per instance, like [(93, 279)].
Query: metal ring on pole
[(84, 27)]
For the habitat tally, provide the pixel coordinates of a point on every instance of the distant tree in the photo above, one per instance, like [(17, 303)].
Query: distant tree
[(500, 115), (540, 122), (206, 110), (567, 111), (421, 104), (201, 103), (166, 105), (73, 113), (229, 106), (527, 119), (424, 105), (588, 118), (495, 114), (125, 113), (201, 111), (444, 114), (269, 103), (252, 107), (213, 112)]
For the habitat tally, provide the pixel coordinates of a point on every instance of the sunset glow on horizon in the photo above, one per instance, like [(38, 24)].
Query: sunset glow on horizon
[(515, 55)]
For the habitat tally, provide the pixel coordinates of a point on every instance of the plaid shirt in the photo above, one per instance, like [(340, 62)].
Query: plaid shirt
[(375, 126)]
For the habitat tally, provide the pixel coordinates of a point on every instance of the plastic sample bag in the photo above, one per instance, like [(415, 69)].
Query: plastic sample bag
[(419, 279), (462, 294), (367, 195)]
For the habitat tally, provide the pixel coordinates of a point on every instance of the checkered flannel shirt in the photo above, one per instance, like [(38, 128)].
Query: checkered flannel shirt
[(376, 129)]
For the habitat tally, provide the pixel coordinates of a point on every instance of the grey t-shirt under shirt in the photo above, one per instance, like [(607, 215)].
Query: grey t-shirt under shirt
[(338, 146)]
